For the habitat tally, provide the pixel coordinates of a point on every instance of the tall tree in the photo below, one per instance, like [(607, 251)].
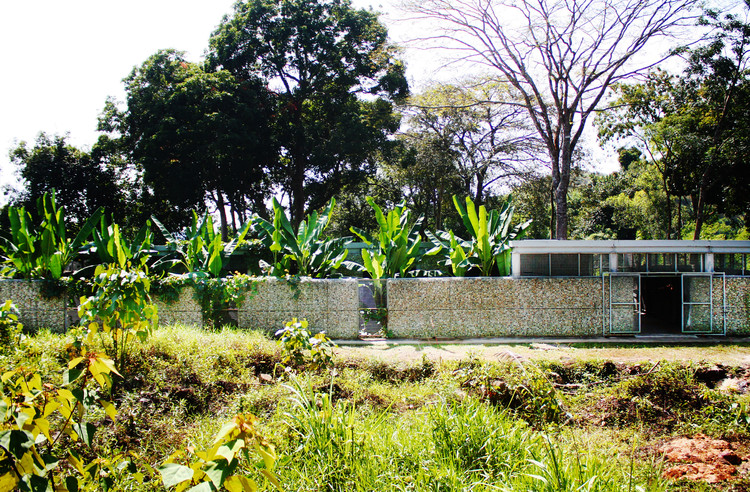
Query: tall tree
[(489, 143), (561, 56), (696, 126), (82, 181), (334, 78), (196, 135)]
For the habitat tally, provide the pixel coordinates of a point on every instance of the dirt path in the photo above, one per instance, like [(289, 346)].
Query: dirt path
[(725, 354)]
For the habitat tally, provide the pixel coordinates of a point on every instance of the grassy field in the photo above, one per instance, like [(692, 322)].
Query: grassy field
[(437, 418)]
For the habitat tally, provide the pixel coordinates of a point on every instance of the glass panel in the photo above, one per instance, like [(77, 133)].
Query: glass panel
[(589, 265), (624, 319), (696, 289), (689, 262), (563, 265), (535, 265), (696, 318), (631, 262), (661, 262), (605, 263), (731, 264)]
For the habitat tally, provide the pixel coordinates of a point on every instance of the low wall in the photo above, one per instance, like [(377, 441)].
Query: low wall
[(422, 308), (494, 307), (34, 310), (330, 305)]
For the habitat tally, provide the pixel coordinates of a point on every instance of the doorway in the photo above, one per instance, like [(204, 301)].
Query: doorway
[(661, 304)]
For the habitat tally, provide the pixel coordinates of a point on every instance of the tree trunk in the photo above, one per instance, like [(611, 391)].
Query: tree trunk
[(222, 215)]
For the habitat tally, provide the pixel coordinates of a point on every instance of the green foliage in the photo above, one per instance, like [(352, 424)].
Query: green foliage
[(312, 255), (82, 181), (301, 349), (197, 134), (36, 416), (489, 249), (333, 76), (10, 328), (474, 436), (120, 311), (111, 247), (396, 248), (217, 467), (42, 251), (202, 251)]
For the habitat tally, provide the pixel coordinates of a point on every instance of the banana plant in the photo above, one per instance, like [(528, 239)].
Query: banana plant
[(305, 247), (396, 248), (111, 247), (491, 235), (42, 251), (201, 251), (456, 251)]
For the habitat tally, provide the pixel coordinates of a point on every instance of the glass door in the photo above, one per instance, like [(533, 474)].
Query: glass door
[(698, 303), (624, 303)]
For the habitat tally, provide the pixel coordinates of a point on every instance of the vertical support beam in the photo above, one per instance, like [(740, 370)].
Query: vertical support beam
[(515, 264), (709, 265), (613, 263)]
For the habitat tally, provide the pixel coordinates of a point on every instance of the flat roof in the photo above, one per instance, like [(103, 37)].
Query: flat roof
[(542, 246)]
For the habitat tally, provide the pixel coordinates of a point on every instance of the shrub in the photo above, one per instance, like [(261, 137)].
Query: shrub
[(302, 349)]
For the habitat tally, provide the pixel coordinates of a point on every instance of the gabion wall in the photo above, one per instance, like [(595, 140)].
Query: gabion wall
[(35, 311), (330, 305), (419, 308), (494, 307)]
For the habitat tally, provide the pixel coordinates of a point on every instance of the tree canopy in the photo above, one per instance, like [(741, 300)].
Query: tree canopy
[(333, 77)]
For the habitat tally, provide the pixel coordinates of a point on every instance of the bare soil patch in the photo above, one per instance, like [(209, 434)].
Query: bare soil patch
[(393, 352)]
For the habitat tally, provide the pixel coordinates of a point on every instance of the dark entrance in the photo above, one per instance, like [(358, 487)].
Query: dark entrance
[(661, 304)]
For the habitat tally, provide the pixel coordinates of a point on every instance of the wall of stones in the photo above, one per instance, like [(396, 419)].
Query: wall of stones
[(737, 313), (494, 307), (420, 308), (35, 311), (330, 305)]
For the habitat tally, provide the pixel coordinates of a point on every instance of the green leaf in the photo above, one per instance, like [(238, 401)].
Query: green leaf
[(219, 470), (16, 442), (172, 474), (86, 432)]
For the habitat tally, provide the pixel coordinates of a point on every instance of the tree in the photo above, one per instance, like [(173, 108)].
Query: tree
[(561, 56), (487, 143), (81, 180), (196, 135), (317, 58), (695, 126)]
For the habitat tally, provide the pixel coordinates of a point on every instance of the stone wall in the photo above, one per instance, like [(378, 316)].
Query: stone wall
[(737, 314), (425, 307), (330, 305), (494, 307), (185, 310), (35, 311)]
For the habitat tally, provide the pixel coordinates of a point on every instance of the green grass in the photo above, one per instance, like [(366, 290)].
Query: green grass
[(365, 424)]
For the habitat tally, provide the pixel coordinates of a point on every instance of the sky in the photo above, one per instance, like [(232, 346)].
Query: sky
[(62, 59)]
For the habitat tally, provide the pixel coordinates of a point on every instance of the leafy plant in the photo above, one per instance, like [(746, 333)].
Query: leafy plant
[(10, 328), (491, 235), (395, 249), (457, 251), (42, 251), (312, 255), (36, 416), (120, 310), (111, 247), (215, 468), (201, 251), (302, 349)]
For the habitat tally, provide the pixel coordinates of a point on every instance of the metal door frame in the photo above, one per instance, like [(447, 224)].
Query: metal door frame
[(636, 303), (710, 303)]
